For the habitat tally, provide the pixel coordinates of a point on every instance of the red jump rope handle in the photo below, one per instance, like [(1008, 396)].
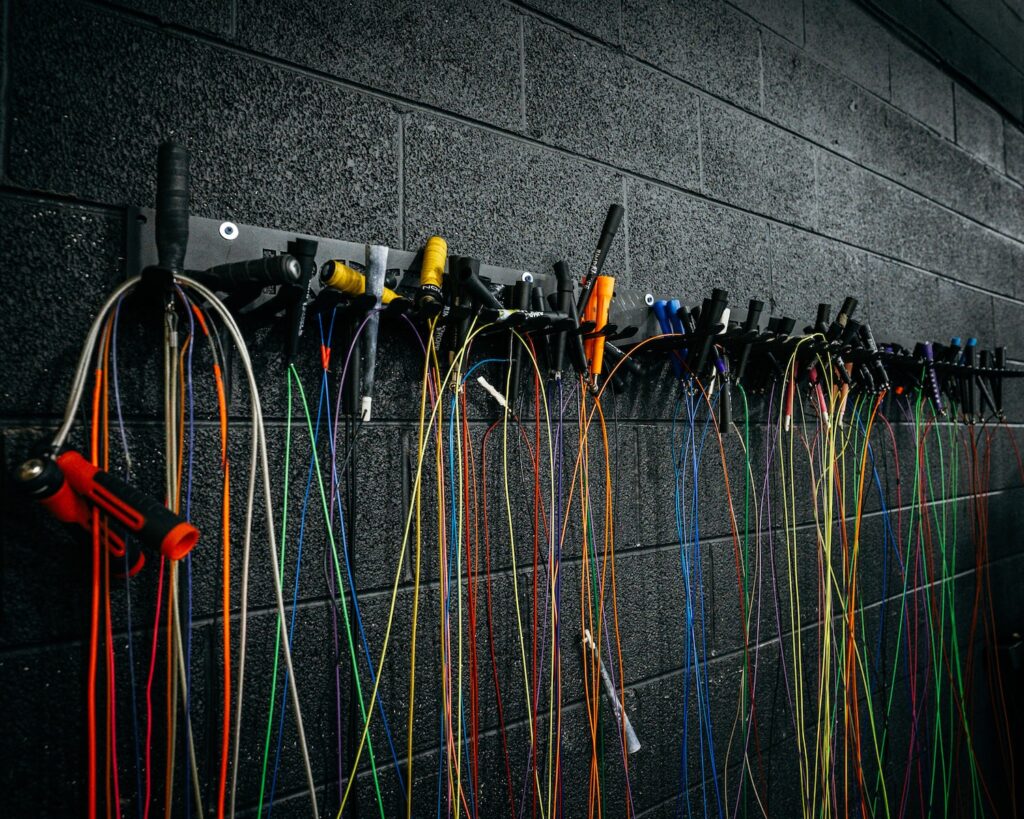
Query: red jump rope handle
[(45, 482), (156, 526)]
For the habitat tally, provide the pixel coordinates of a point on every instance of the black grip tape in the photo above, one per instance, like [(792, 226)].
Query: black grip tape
[(264, 272), (172, 206), (157, 519)]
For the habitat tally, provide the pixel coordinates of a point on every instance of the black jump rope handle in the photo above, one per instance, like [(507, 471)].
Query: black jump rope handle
[(608, 230), (264, 272), (172, 202)]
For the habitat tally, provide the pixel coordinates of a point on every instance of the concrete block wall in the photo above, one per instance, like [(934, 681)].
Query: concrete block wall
[(791, 150), (981, 42)]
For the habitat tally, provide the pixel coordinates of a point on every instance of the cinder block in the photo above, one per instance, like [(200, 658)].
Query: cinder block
[(944, 32), (457, 55), (84, 126), (921, 89), (979, 128), (503, 201), (683, 247), (785, 17), (981, 257), (1000, 450), (984, 194), (807, 270), (970, 310), (999, 78), (815, 101), (869, 211), (843, 35), (57, 302), (862, 208), (996, 23), (602, 20), (1014, 141), (216, 17), (51, 700), (617, 110), (894, 316), (706, 43), (1009, 328), (750, 163), (1006, 600)]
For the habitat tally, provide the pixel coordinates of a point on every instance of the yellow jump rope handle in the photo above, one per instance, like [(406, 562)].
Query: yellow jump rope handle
[(340, 276), (435, 254)]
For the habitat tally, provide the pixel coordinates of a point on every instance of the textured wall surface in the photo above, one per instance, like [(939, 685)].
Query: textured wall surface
[(792, 150), (983, 42)]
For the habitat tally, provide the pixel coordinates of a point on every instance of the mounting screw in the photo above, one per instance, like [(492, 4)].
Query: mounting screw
[(229, 231), (31, 469), (527, 276), (649, 300)]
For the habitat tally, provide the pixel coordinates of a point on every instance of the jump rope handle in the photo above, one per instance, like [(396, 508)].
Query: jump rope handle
[(69, 486), (158, 528), (264, 272), (611, 226), (172, 203), (430, 298)]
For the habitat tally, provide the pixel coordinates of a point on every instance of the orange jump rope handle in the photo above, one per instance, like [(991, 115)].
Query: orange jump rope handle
[(157, 527), (602, 300), (589, 314)]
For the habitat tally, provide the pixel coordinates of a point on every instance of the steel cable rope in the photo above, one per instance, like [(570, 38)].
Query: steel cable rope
[(398, 573), (748, 687), (406, 535)]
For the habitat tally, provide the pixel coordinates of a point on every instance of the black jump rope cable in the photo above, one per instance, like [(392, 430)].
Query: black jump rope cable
[(258, 450)]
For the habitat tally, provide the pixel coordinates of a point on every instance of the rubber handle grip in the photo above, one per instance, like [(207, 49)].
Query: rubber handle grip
[(752, 321), (172, 205), (611, 226), (589, 316), (270, 270), (603, 292), (661, 312), (847, 310), (619, 358), (560, 301), (157, 527), (725, 406), (675, 322), (435, 254), (563, 281), (999, 363), (716, 308), (44, 481), (339, 276), (577, 352), (821, 319), (686, 317), (473, 285)]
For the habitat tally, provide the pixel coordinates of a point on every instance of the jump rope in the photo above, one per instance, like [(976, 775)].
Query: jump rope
[(823, 461)]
